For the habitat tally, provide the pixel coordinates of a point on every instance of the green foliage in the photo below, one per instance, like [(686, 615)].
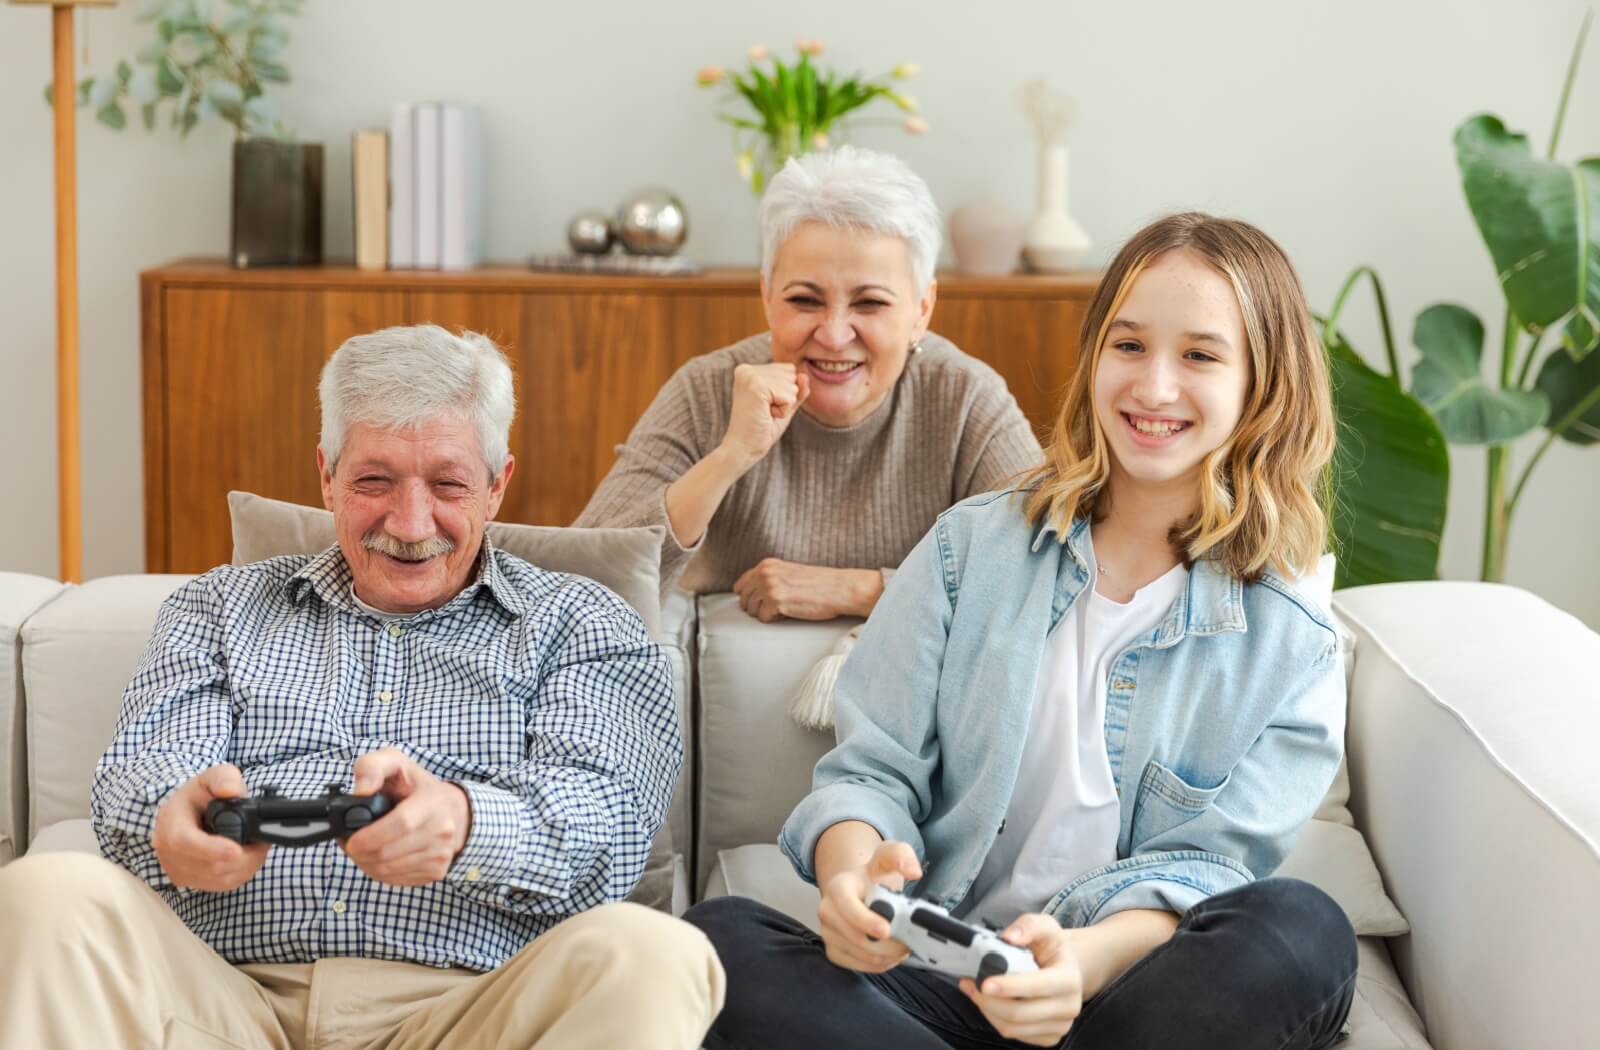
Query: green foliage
[(1540, 221), (1391, 475), (797, 107), (1449, 380), (210, 58)]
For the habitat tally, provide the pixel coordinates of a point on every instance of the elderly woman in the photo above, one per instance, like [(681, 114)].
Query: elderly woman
[(800, 465)]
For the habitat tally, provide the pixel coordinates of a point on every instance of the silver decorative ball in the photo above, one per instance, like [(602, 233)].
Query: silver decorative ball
[(590, 232), (652, 222)]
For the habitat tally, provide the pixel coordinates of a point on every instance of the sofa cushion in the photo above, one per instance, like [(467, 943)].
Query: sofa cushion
[(754, 762), (626, 560), (76, 835), (1381, 1018), (20, 597), (78, 654)]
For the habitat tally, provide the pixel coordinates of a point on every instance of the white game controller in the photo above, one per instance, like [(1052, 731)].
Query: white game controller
[(939, 942)]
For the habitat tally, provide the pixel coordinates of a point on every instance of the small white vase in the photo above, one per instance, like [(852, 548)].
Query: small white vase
[(1055, 241)]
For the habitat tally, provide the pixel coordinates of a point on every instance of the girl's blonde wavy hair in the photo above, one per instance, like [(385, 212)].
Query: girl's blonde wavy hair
[(1263, 492)]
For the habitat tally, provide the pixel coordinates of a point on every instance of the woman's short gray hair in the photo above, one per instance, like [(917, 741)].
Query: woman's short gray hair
[(403, 377), (855, 189)]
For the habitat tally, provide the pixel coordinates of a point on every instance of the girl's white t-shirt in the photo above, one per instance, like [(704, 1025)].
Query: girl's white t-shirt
[(1064, 817)]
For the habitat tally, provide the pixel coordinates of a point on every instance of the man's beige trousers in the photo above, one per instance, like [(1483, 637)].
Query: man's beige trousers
[(92, 959)]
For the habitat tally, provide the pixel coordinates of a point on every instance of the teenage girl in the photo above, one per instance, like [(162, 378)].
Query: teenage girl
[(1095, 710)]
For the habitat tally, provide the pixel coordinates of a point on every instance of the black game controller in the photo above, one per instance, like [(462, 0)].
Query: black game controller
[(294, 821)]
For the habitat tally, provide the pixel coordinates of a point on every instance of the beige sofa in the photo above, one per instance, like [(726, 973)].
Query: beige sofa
[(1474, 719)]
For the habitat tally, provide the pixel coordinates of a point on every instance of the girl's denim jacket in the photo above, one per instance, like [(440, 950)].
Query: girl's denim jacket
[(1224, 725)]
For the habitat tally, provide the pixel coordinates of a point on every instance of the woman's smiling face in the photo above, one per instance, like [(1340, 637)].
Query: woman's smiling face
[(1174, 372), (844, 309)]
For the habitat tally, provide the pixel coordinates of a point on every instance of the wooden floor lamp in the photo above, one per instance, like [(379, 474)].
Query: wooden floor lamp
[(69, 485)]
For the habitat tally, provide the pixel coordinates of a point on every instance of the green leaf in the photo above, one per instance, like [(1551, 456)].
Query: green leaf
[(1449, 380), (142, 87), (168, 78), (1391, 473), (1573, 388), (112, 117), (1541, 222), (149, 113), (124, 73), (259, 110), (102, 92), (225, 94), (268, 45), (271, 71)]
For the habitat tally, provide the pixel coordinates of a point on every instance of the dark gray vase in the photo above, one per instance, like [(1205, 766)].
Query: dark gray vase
[(277, 203)]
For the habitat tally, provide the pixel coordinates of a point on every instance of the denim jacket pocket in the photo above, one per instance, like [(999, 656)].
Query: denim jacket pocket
[(1165, 801)]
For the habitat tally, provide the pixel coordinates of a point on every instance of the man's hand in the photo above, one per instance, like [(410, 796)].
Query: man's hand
[(1035, 1008), (414, 844), (191, 856), (856, 937), (774, 589)]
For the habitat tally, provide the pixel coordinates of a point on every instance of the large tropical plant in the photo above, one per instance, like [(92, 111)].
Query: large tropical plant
[(1540, 220)]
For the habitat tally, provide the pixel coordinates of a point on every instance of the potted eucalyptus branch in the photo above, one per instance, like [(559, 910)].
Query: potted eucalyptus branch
[(215, 59), (1540, 220)]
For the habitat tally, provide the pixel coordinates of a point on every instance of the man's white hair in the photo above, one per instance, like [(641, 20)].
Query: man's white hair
[(855, 189), (403, 377)]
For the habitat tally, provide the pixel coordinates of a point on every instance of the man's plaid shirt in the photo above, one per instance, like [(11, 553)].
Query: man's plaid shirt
[(540, 693)]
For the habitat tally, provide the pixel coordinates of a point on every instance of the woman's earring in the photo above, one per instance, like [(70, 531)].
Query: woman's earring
[(916, 348)]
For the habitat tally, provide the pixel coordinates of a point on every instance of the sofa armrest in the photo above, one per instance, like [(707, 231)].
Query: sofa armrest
[(1474, 713), (20, 597), (78, 653)]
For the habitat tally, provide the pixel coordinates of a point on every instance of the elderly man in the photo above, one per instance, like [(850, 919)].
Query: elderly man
[(521, 722)]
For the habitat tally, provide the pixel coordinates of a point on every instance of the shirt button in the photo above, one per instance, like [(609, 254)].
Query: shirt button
[(386, 696), (473, 874), (394, 630), (338, 907)]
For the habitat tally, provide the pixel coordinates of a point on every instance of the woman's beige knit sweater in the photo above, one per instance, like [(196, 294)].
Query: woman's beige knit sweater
[(852, 497)]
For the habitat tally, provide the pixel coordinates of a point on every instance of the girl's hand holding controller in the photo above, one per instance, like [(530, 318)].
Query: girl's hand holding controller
[(1036, 1008), (856, 938)]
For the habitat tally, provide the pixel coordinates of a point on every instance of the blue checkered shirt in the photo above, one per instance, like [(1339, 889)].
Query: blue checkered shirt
[(540, 693)]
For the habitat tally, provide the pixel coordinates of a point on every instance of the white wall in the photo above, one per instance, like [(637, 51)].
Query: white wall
[(1329, 125)]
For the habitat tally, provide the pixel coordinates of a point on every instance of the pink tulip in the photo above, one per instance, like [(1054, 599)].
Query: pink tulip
[(808, 47), (758, 53), (819, 141), (916, 125), (709, 75)]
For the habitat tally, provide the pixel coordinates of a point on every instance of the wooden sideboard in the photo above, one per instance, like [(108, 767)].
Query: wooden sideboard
[(231, 359)]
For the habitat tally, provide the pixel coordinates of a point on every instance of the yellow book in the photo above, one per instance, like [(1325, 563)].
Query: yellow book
[(369, 167)]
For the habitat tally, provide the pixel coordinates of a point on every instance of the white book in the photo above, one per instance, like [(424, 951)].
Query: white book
[(402, 187), (460, 186), (426, 142)]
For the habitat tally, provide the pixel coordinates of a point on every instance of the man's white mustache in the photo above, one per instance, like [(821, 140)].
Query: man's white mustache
[(383, 543)]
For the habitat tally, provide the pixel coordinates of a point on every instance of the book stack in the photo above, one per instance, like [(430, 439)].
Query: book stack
[(435, 176)]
